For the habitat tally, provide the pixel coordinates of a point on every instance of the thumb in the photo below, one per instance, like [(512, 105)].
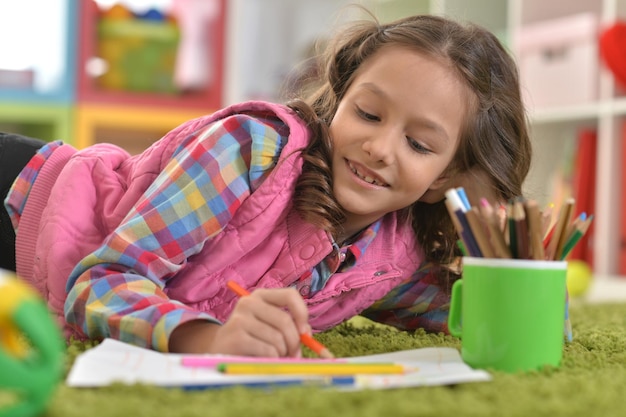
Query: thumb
[(305, 328)]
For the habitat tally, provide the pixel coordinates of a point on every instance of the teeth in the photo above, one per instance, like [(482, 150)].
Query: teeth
[(365, 178)]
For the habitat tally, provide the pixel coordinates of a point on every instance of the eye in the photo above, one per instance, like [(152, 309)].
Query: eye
[(416, 146), (367, 116)]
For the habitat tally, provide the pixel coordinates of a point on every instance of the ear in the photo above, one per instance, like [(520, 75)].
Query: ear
[(437, 190), (440, 183)]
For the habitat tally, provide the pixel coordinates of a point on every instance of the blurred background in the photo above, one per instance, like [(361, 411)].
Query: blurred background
[(128, 71)]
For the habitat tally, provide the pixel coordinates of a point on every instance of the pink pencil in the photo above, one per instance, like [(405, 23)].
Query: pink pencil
[(213, 361)]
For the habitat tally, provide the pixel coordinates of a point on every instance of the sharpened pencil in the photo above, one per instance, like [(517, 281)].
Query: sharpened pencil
[(326, 369), (211, 361), (495, 233), (512, 230), (455, 208), (546, 219), (533, 217), (521, 230), (555, 246), (577, 234), (478, 230)]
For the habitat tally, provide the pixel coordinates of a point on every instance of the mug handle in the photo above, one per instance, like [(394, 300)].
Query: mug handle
[(454, 317)]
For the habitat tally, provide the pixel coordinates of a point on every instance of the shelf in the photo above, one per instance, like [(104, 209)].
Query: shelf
[(582, 112), (46, 122), (88, 91), (121, 125)]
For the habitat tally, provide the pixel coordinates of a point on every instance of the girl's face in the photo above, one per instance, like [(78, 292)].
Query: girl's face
[(394, 133)]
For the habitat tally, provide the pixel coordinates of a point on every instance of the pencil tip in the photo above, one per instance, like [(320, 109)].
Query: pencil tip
[(325, 354)]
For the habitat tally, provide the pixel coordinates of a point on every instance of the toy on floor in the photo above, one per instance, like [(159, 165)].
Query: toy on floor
[(578, 277), (31, 350)]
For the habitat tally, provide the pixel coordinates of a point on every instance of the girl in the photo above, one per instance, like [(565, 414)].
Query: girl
[(323, 209)]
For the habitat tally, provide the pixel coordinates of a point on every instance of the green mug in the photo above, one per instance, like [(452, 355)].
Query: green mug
[(509, 313)]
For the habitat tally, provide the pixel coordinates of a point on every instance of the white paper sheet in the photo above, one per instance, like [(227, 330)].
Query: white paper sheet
[(113, 361)]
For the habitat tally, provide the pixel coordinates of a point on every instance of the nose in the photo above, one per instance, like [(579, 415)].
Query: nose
[(381, 148)]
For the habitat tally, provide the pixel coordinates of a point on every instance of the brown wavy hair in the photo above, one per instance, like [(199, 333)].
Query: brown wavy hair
[(494, 139)]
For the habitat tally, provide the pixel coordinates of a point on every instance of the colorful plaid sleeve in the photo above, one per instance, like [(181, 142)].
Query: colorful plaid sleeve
[(16, 199), (117, 291), (419, 302)]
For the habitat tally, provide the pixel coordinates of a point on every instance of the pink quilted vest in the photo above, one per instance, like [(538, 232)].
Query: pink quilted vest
[(80, 197)]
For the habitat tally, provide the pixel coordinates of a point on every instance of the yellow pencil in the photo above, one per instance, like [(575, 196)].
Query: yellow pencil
[(327, 369)]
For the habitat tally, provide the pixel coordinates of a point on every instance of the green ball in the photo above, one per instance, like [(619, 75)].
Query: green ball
[(579, 276)]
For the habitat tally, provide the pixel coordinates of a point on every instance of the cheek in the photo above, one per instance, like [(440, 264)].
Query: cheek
[(421, 176)]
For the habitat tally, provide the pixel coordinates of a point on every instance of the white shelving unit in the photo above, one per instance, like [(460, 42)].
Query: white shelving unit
[(550, 126)]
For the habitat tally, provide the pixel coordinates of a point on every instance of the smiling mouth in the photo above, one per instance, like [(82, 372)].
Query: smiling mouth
[(366, 178)]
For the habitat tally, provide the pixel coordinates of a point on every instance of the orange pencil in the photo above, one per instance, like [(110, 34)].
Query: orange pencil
[(306, 339)]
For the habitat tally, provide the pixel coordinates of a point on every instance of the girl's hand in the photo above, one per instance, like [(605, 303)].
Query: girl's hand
[(265, 323)]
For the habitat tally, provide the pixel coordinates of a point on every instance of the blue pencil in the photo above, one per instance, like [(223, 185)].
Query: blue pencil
[(338, 381), (463, 196), (456, 207)]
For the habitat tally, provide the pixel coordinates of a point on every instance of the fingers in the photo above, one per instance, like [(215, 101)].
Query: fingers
[(289, 299), (250, 336), (265, 323)]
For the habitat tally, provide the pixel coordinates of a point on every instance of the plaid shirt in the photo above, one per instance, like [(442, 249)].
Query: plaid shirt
[(121, 284)]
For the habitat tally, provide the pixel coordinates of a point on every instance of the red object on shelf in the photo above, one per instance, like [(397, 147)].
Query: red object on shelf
[(583, 190), (612, 43), (209, 98)]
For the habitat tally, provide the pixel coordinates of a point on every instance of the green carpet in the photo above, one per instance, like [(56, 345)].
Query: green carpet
[(590, 382)]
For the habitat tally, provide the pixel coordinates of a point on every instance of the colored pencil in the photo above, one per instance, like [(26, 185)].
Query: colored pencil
[(546, 219), (478, 230), (461, 242), (555, 246), (463, 196), (325, 369), (495, 234), (579, 231), (512, 231), (533, 216), (517, 229), (306, 339), (521, 230), (286, 381), (206, 361), (456, 208), (503, 221)]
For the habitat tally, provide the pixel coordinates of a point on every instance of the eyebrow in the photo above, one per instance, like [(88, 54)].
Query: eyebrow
[(423, 121)]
